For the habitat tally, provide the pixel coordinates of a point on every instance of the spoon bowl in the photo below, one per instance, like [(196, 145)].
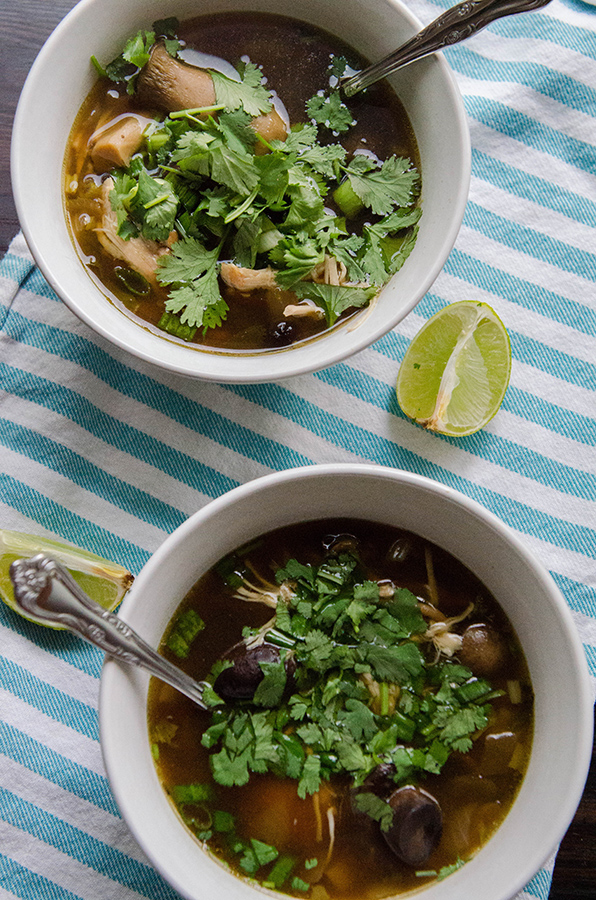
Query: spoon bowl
[(45, 590)]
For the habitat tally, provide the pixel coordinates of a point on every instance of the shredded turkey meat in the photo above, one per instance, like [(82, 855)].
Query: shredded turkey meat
[(246, 280), (138, 253)]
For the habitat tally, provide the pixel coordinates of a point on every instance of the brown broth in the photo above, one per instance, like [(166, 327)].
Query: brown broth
[(475, 790), (294, 58)]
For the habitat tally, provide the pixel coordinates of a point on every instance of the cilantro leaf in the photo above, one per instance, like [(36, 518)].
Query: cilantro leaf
[(270, 690), (155, 204), (394, 184), (301, 136), (317, 650), (135, 54), (324, 159), (230, 770), (398, 664), (187, 260), (249, 92), (405, 608), (311, 776), (121, 195), (401, 253), (359, 719), (236, 129), (235, 169), (197, 297), (373, 806), (264, 853), (295, 258), (136, 50), (330, 110), (295, 571), (306, 200), (198, 303), (457, 726), (273, 171), (334, 299)]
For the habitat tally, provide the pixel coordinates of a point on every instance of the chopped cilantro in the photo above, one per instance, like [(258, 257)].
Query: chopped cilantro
[(270, 691), (192, 793), (196, 298), (248, 92), (394, 184), (375, 807), (201, 173), (339, 633), (184, 630), (164, 731), (448, 870), (330, 110), (335, 300), (281, 871), (222, 821)]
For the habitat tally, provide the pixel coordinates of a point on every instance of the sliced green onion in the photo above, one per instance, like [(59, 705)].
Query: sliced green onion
[(347, 199), (133, 281)]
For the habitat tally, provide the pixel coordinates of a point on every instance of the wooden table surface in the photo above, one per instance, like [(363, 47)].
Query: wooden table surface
[(26, 25)]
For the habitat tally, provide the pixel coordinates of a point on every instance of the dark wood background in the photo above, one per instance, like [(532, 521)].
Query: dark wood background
[(26, 24)]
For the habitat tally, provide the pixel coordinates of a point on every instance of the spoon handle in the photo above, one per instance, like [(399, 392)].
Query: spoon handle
[(47, 591), (456, 24)]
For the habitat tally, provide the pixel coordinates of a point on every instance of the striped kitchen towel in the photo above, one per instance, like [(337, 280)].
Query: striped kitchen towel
[(110, 454)]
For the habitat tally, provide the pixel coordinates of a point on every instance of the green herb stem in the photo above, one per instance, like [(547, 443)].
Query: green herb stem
[(196, 111)]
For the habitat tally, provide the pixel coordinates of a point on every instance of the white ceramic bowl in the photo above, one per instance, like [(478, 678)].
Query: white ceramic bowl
[(61, 78), (563, 708)]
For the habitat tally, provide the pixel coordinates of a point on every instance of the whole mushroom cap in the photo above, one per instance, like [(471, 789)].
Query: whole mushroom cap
[(417, 825), (483, 650)]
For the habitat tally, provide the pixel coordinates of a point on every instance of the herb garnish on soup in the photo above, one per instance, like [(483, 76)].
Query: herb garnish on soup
[(370, 712), (230, 197)]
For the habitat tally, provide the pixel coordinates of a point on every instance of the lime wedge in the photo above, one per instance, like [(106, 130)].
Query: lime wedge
[(454, 375), (104, 581)]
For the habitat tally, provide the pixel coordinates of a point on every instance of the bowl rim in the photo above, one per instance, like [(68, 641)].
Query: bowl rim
[(582, 740), (210, 365)]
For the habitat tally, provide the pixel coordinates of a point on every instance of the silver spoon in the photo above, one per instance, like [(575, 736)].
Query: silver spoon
[(45, 590), (455, 25)]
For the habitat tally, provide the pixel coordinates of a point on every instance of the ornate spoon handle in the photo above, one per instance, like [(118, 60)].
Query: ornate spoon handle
[(455, 25), (44, 589)]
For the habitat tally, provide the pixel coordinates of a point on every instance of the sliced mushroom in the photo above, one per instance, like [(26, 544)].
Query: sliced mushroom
[(114, 143), (483, 650), (139, 253), (417, 825), (341, 543), (246, 280), (242, 678), (170, 84), (400, 551)]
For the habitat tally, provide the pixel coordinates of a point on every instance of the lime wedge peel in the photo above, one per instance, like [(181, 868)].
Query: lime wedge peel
[(104, 581), (455, 372)]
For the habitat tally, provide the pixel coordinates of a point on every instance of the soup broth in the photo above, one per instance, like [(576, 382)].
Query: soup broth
[(435, 725), (259, 231)]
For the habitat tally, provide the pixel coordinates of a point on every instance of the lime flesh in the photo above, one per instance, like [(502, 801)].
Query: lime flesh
[(454, 374), (104, 581)]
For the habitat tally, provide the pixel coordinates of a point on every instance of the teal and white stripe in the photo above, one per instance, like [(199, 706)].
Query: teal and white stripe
[(109, 454)]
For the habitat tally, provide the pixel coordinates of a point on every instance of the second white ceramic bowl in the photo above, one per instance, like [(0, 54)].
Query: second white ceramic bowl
[(563, 706)]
